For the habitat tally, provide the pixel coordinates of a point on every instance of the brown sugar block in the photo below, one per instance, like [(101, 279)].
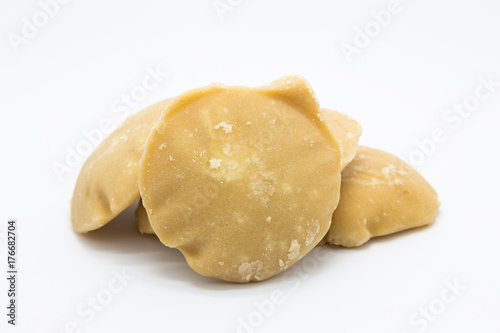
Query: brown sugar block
[(243, 181), (107, 183), (380, 195), (345, 129)]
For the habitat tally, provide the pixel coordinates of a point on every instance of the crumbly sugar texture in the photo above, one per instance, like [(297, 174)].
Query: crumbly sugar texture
[(345, 129), (243, 181), (380, 195), (108, 181)]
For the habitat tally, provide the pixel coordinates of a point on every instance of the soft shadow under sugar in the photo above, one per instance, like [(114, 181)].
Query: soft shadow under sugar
[(122, 240)]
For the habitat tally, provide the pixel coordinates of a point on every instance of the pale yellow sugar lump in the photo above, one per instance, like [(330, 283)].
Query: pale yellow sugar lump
[(345, 129), (108, 181), (142, 219), (380, 195), (229, 205)]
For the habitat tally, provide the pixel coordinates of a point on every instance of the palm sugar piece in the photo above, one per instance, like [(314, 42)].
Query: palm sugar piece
[(243, 181), (345, 129), (380, 195), (107, 183), (142, 219)]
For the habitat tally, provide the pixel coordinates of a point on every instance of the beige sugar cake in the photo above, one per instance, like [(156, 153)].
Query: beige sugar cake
[(380, 195), (243, 181), (345, 129), (108, 181)]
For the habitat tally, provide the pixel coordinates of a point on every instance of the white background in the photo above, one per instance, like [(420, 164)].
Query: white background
[(66, 78)]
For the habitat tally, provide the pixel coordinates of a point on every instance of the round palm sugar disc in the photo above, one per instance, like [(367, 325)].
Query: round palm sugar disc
[(243, 181)]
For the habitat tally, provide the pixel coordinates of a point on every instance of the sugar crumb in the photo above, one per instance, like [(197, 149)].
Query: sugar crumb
[(294, 250), (225, 126), (215, 163), (312, 232), (388, 169)]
